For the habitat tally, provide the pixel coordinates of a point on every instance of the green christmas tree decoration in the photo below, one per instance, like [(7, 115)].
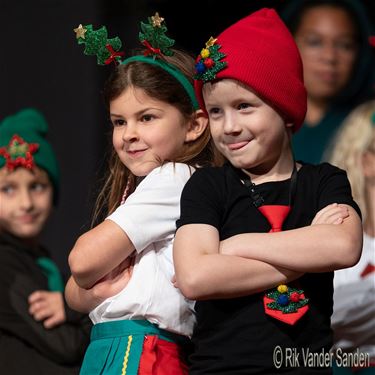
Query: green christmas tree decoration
[(97, 43), (208, 63), (153, 36), (292, 305)]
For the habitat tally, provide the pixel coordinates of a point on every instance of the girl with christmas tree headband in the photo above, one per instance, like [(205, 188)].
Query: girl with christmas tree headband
[(34, 320), (122, 268)]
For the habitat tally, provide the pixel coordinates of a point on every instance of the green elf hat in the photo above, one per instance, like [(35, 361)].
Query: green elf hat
[(23, 144)]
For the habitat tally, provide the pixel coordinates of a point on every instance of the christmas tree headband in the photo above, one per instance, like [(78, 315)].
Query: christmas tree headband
[(152, 37)]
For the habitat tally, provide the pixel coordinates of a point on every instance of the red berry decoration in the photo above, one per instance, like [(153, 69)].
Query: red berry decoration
[(294, 297), (209, 63)]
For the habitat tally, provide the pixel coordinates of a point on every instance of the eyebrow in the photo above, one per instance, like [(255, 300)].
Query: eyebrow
[(137, 113)]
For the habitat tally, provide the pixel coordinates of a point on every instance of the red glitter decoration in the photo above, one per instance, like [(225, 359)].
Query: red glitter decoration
[(150, 49), (18, 153), (113, 56)]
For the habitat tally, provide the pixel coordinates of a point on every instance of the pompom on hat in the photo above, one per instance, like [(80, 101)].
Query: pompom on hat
[(260, 52), (23, 144)]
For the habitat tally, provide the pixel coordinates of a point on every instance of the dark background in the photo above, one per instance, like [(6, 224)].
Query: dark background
[(42, 66)]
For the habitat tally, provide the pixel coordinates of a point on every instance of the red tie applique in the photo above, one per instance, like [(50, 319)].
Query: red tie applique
[(284, 303)]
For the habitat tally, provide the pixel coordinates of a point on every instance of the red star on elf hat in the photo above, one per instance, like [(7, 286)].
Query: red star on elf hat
[(23, 144), (260, 52), (19, 153)]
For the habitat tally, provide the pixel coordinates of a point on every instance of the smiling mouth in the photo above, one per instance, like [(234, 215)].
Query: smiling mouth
[(27, 219), (237, 145), (135, 153)]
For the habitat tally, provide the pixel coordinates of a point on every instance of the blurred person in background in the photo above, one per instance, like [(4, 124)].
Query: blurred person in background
[(338, 62), (353, 319)]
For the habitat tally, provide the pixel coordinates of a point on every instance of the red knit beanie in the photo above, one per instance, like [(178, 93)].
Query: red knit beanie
[(260, 52)]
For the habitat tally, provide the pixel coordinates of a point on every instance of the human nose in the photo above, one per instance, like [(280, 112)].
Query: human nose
[(26, 200), (231, 125), (329, 52), (130, 132)]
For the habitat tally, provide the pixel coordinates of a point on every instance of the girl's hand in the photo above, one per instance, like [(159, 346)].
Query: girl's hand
[(47, 307), (115, 281), (331, 214)]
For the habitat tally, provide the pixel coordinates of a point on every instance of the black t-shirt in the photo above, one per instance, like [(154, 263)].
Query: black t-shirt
[(235, 336)]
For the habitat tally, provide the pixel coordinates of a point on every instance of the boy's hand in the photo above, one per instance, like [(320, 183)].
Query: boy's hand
[(331, 214), (47, 307)]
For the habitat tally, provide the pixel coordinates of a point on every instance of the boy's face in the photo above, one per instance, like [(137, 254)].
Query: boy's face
[(25, 201), (246, 130)]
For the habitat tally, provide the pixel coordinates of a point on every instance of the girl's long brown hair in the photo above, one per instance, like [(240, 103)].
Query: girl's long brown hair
[(160, 85)]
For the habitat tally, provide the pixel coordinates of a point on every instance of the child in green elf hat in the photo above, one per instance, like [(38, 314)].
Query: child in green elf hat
[(39, 333)]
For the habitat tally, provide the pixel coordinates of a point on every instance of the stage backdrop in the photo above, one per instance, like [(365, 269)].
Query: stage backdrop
[(42, 66)]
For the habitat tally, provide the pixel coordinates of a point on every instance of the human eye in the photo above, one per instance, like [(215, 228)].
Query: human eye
[(311, 41), (7, 189), (346, 45), (38, 187), (242, 106), (147, 117), (214, 112), (118, 122)]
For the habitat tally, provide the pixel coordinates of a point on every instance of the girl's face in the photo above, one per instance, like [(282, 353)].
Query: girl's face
[(326, 39), (146, 131), (246, 130), (25, 201)]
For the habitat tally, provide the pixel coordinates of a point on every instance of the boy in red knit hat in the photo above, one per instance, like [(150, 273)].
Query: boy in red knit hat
[(263, 300)]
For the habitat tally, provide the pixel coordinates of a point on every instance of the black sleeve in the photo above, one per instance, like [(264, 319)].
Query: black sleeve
[(19, 277), (201, 199), (334, 187)]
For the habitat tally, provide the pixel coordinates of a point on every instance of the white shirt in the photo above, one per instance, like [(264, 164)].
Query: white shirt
[(353, 319), (148, 217), (353, 274)]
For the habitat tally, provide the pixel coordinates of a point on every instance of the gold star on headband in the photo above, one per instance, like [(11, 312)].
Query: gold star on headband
[(80, 31), (210, 42), (156, 20)]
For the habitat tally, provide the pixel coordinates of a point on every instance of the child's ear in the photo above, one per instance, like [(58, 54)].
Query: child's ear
[(197, 126)]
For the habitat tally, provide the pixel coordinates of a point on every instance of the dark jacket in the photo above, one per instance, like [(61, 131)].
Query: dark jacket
[(26, 347)]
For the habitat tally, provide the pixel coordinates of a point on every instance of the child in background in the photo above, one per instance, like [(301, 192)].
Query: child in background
[(159, 136), (353, 318), (39, 334), (249, 80)]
